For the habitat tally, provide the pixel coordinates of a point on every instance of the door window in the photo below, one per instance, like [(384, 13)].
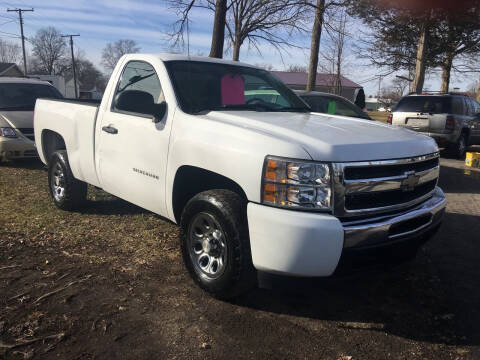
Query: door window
[(139, 90)]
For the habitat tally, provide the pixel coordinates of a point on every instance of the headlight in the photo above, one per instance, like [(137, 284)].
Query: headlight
[(8, 132), (296, 184)]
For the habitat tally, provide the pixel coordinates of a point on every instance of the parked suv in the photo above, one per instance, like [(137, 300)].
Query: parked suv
[(453, 120)]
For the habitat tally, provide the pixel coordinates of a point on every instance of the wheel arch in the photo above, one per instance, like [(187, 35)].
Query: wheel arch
[(191, 180), (51, 142)]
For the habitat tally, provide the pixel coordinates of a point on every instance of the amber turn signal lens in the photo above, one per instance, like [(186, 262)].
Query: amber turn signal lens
[(271, 170), (269, 193)]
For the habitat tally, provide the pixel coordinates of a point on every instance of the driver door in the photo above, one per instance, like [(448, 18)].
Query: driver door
[(133, 141)]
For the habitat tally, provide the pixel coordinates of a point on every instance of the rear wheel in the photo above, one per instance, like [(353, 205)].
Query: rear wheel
[(215, 243), (67, 192), (459, 149)]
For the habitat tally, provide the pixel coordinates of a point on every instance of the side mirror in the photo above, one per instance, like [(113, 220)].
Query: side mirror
[(159, 111)]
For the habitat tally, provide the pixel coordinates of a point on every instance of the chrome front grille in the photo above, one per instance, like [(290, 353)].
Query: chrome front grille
[(376, 187)]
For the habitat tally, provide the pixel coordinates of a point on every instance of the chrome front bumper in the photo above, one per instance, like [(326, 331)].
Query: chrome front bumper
[(385, 230)]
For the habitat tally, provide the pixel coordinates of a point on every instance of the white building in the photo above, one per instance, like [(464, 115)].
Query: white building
[(65, 86)]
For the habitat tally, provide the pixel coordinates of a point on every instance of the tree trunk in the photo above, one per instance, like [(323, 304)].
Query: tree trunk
[(315, 46), (236, 49), (478, 91), (446, 70), (338, 75), (417, 84), (218, 35)]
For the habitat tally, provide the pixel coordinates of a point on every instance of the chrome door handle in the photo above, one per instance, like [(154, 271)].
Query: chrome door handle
[(110, 129)]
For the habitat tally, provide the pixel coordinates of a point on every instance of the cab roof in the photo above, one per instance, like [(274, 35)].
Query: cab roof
[(179, 57)]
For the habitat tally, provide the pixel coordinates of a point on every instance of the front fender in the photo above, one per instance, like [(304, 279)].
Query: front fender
[(233, 151)]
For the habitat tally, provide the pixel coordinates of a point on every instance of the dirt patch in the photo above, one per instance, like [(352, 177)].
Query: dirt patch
[(108, 283)]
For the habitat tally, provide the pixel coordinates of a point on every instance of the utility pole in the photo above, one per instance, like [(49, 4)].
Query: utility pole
[(380, 77), (19, 11), (73, 63)]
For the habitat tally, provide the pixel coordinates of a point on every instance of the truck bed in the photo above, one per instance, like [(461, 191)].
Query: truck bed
[(74, 121)]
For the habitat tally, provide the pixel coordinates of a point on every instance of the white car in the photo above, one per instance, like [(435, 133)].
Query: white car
[(17, 100), (255, 185)]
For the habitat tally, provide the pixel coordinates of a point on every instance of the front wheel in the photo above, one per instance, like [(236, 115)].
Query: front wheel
[(215, 243), (67, 192)]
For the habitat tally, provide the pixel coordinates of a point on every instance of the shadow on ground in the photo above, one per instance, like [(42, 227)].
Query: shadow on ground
[(29, 164), (433, 299)]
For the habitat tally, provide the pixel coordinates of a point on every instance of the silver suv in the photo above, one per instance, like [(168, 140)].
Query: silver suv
[(453, 120)]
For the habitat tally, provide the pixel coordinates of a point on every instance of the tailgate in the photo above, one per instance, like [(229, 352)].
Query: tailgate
[(420, 121)]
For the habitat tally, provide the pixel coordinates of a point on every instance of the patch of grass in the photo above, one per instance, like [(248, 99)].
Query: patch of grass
[(379, 115), (105, 222)]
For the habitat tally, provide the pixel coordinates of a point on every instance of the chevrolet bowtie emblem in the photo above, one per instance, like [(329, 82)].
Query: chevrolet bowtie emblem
[(411, 180)]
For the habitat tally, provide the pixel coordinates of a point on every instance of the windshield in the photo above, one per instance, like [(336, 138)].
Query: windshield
[(203, 86), (424, 104), (19, 96), (333, 105)]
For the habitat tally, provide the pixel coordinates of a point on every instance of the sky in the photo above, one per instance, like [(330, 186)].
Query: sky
[(148, 21)]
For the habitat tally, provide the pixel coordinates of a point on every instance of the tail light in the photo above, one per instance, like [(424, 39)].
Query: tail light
[(450, 123), (390, 118)]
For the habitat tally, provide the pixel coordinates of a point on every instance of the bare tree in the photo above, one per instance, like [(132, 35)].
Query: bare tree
[(251, 22), (88, 75), (458, 38), (183, 8), (421, 63), (9, 52), (334, 56), (111, 53), (258, 21), (320, 8), (315, 46), (400, 85), (398, 38), (394, 91), (48, 50), (296, 68)]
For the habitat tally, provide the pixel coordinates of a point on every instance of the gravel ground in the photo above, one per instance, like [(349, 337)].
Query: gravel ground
[(108, 283)]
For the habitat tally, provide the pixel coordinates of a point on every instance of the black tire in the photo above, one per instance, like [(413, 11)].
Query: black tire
[(74, 191), (459, 149), (228, 211)]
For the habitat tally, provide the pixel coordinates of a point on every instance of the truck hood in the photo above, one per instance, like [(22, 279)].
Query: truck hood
[(17, 119), (333, 138)]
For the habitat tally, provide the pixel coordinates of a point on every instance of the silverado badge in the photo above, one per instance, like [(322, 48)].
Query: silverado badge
[(411, 180)]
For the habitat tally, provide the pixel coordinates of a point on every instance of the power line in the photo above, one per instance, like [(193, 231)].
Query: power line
[(7, 22), (73, 62), (11, 34), (20, 11)]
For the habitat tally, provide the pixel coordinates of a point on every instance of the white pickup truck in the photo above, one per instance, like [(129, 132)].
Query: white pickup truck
[(257, 183)]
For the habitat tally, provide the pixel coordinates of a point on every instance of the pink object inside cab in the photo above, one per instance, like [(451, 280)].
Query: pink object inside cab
[(233, 90)]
